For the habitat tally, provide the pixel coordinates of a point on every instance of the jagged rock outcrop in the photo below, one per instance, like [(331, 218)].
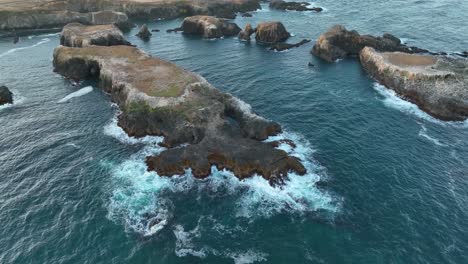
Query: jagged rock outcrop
[(271, 32), (339, 43), (78, 35), (296, 6), (57, 13), (144, 33), (159, 98), (6, 97), (437, 84), (209, 27), (246, 33), (286, 46)]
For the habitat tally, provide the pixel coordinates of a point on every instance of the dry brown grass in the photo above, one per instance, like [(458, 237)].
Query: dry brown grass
[(409, 60)]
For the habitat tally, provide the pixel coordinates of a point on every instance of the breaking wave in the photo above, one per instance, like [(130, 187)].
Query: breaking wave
[(141, 199), (423, 133), (17, 100), (44, 40), (81, 92), (392, 100)]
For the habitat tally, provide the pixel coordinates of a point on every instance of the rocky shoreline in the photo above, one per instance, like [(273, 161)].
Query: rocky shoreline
[(437, 84), (158, 98), (15, 15)]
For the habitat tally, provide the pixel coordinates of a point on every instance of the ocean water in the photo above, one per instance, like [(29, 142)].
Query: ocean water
[(386, 182)]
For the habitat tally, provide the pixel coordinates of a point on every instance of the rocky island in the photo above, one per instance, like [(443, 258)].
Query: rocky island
[(158, 98), (295, 6), (437, 84), (339, 43), (6, 97), (78, 35)]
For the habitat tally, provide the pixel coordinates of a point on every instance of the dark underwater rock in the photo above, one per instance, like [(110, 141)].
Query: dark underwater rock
[(6, 97), (286, 46)]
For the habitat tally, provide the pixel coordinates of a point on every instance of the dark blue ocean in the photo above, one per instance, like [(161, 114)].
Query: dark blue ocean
[(386, 183)]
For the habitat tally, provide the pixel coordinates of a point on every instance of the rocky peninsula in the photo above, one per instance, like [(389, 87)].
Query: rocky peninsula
[(201, 125), (16, 14), (437, 84), (339, 43)]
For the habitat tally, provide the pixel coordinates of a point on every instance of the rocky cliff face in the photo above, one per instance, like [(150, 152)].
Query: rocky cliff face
[(78, 35), (271, 32), (54, 13), (209, 27), (437, 84), (338, 43), (158, 98)]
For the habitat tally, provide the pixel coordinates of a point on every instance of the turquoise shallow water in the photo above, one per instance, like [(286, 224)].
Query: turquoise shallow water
[(386, 182)]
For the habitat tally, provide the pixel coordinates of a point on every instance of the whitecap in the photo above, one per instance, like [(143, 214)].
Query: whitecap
[(138, 194), (392, 100), (17, 100), (423, 133), (81, 92), (247, 257), (112, 129), (44, 40)]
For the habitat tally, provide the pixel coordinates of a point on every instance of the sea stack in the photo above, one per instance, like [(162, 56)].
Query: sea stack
[(437, 84), (209, 27), (144, 33), (271, 32), (6, 97)]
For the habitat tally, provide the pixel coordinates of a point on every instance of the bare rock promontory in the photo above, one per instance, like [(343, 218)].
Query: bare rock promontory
[(437, 84), (158, 98)]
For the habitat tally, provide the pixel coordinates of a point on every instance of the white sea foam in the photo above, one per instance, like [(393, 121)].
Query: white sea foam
[(81, 92), (139, 195), (248, 257), (423, 133), (44, 40), (113, 130), (391, 99), (17, 100)]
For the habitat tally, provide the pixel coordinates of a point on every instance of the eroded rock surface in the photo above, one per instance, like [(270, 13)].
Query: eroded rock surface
[(209, 27), (78, 35), (296, 6), (159, 98), (339, 43), (437, 84), (246, 33), (6, 97), (52, 13), (271, 32)]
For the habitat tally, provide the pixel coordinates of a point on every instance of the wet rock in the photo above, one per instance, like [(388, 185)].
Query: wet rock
[(246, 15), (155, 30), (271, 32), (296, 6), (209, 27), (144, 33), (339, 43), (437, 84), (78, 35), (183, 107), (6, 97), (286, 46), (246, 33)]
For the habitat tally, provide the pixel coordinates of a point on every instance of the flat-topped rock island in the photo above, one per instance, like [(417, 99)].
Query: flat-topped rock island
[(437, 84)]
